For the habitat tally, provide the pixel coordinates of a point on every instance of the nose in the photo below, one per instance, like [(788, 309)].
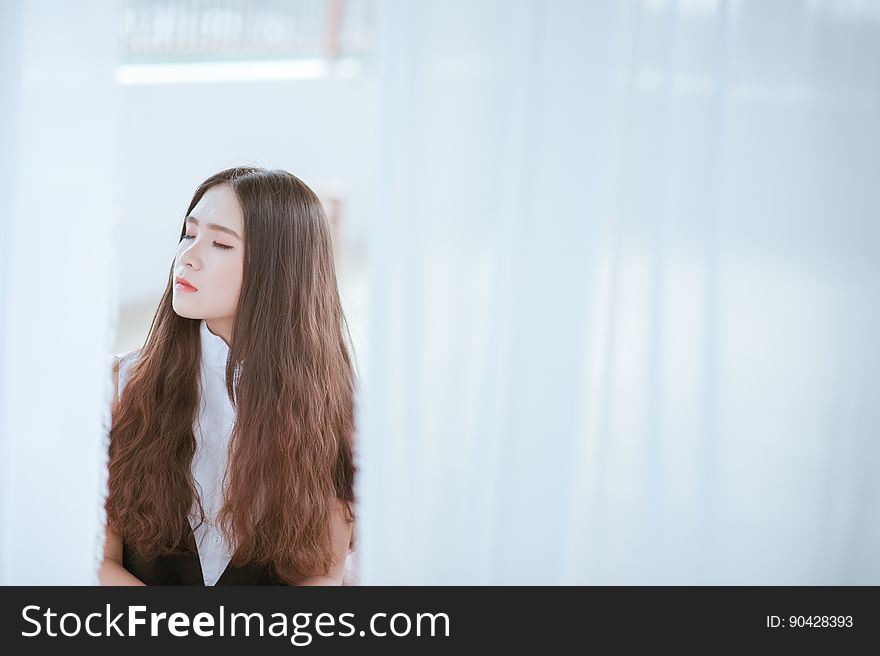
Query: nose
[(190, 257)]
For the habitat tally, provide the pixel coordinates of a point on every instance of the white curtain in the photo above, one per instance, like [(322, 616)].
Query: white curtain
[(625, 295), (58, 292)]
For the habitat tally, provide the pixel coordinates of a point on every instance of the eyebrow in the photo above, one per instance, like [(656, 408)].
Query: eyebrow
[(215, 226)]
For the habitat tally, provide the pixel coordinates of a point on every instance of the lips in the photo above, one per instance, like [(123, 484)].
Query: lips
[(185, 283)]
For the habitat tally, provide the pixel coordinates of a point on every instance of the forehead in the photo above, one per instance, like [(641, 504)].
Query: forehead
[(219, 204)]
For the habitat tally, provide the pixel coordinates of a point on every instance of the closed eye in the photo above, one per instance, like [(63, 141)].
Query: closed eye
[(223, 246)]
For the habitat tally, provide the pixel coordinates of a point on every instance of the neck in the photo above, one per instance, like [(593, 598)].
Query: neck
[(222, 328)]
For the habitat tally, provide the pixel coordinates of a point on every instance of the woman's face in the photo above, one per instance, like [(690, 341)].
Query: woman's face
[(211, 258)]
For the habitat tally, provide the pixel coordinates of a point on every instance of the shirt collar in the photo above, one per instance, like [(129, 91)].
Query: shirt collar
[(215, 351)]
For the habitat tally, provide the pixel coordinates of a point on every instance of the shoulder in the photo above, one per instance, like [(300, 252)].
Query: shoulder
[(122, 363), (127, 358)]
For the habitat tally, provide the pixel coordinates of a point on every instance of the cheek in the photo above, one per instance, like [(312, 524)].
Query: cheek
[(232, 277)]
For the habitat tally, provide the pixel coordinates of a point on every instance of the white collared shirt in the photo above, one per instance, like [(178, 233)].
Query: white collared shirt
[(212, 430)]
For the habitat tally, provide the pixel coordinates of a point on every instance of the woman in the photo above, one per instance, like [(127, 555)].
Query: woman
[(230, 458)]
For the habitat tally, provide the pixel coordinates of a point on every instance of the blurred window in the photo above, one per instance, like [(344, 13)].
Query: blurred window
[(201, 31)]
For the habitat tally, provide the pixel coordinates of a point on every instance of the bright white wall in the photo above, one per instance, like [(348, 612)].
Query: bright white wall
[(57, 151)]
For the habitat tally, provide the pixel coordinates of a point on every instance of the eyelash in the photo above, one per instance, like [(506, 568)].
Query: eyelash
[(223, 246)]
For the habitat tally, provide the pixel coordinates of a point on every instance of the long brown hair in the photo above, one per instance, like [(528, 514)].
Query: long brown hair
[(289, 377)]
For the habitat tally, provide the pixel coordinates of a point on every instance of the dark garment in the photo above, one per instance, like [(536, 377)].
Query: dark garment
[(185, 568)]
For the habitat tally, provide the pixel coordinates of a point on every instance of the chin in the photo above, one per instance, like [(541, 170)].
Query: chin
[(182, 312)]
